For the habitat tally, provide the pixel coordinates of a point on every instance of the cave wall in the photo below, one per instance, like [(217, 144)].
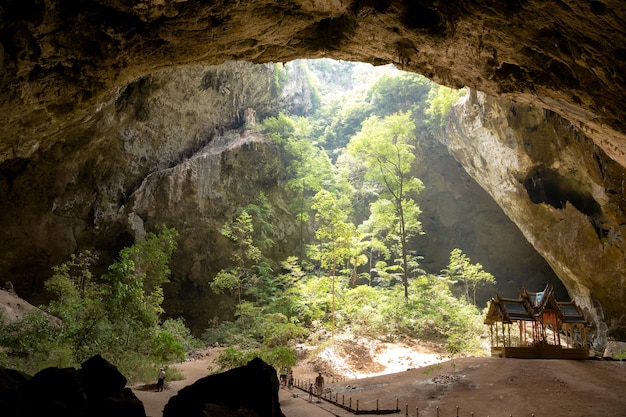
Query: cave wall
[(173, 149), (76, 194), (562, 190), (458, 213)]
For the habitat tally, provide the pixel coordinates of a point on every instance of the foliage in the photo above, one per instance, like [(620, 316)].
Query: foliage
[(115, 315), (402, 92), (250, 233), (228, 333), (351, 188), (384, 145), (440, 101), (165, 348), (461, 268), (280, 79), (31, 342), (278, 357)]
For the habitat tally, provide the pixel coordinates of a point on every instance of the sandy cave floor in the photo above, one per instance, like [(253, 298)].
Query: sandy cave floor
[(485, 386)]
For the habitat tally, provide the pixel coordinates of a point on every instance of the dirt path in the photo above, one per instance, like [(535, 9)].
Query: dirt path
[(484, 386), (154, 401), (293, 403)]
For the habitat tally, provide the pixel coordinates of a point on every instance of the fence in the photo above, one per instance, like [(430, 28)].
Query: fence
[(328, 396)]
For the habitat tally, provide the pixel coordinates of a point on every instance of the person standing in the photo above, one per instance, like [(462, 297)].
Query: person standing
[(161, 380), (319, 386)]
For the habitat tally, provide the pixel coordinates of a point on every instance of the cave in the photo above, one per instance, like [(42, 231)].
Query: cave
[(547, 186), (62, 62)]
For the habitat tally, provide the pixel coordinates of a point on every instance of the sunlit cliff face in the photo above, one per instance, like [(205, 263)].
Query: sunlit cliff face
[(62, 61)]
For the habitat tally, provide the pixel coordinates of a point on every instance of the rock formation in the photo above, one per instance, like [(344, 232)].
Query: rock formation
[(96, 389), (458, 213), (70, 74), (77, 195), (197, 197), (62, 60), (564, 193), (250, 390)]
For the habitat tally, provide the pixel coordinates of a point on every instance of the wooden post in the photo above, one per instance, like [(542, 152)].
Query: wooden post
[(397, 404), (343, 397), (457, 411), (437, 411), (357, 405), (350, 403), (509, 329), (417, 412), (406, 411), (496, 332), (376, 404)]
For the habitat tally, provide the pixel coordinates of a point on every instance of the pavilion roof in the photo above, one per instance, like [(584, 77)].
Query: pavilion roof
[(531, 305), (571, 313)]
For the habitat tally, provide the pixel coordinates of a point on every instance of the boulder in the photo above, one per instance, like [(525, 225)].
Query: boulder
[(615, 350), (96, 390), (10, 383), (101, 379), (253, 387), (53, 392)]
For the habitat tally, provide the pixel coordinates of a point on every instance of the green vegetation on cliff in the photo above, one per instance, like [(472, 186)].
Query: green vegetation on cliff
[(351, 189), (116, 314)]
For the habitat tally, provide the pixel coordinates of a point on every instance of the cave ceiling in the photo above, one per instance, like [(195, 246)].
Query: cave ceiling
[(62, 59)]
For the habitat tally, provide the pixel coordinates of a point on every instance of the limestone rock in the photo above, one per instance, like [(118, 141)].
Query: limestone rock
[(62, 60), (560, 189), (97, 389), (253, 387), (75, 195), (458, 213), (615, 350), (198, 196)]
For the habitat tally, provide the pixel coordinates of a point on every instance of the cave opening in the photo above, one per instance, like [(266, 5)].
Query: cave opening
[(545, 185)]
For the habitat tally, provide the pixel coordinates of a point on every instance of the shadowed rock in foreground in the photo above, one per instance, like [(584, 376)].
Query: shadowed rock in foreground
[(97, 389), (250, 390)]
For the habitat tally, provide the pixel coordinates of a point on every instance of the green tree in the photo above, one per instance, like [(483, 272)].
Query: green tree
[(116, 314), (79, 303), (385, 147), (250, 232), (234, 279), (401, 92), (308, 167), (135, 293), (472, 275), (335, 236), (440, 100)]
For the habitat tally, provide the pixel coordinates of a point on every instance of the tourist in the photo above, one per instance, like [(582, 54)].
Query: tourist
[(319, 386), (161, 380)]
